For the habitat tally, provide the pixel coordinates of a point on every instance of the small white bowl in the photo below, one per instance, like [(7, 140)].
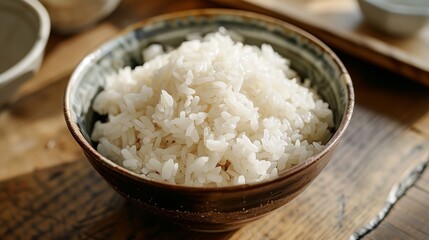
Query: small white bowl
[(25, 28), (70, 16), (399, 18)]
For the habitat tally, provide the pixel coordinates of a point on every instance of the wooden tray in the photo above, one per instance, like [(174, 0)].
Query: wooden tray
[(340, 24)]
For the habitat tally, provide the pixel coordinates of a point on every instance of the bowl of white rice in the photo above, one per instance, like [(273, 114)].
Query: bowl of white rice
[(209, 118)]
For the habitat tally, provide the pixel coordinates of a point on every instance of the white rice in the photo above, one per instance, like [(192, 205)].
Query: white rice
[(212, 112)]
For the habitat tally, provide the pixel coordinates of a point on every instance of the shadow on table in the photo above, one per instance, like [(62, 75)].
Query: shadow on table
[(128, 222), (41, 104)]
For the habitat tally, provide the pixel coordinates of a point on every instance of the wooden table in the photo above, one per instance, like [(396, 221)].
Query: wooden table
[(48, 190)]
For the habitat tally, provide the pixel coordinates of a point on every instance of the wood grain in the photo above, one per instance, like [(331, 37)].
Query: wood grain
[(410, 216), (71, 201), (386, 138)]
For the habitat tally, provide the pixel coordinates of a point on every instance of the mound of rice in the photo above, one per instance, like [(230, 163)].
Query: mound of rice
[(212, 112)]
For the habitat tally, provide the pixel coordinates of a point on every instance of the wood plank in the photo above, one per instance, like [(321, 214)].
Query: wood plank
[(416, 194), (408, 217), (72, 201), (86, 207), (388, 231), (412, 214)]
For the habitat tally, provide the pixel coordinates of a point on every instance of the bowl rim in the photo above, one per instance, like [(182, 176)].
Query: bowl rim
[(333, 141), (38, 47)]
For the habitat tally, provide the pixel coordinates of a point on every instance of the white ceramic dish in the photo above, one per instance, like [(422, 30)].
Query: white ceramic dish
[(24, 31), (70, 16), (396, 17)]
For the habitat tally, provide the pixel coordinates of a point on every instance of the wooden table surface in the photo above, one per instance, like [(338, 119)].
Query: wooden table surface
[(49, 191)]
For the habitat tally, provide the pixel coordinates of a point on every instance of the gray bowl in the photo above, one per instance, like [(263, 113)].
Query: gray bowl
[(399, 18), (209, 208), (71, 16), (24, 32)]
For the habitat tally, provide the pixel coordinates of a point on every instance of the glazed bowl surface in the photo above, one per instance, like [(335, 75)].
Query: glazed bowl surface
[(209, 208), (25, 28)]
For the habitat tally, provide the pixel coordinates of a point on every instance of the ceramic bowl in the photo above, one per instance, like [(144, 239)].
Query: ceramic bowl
[(25, 28), (209, 208), (70, 16), (400, 18)]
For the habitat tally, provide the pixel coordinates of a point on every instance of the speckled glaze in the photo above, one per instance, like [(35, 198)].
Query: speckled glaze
[(204, 208)]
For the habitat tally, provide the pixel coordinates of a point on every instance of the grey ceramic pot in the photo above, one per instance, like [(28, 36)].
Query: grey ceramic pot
[(24, 33)]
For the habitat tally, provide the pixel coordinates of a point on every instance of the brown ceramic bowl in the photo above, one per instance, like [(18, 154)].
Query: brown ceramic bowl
[(209, 208)]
